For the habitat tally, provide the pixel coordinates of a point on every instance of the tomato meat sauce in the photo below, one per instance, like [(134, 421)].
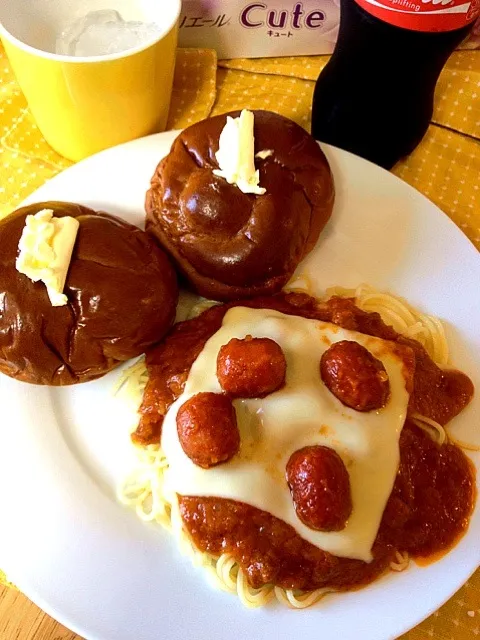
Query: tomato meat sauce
[(434, 491)]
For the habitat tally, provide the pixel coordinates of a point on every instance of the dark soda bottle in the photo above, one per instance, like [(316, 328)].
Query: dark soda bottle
[(375, 95)]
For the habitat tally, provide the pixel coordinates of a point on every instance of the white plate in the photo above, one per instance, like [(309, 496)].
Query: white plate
[(90, 562)]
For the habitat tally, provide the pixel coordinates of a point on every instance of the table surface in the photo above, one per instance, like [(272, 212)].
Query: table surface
[(445, 167), (20, 619)]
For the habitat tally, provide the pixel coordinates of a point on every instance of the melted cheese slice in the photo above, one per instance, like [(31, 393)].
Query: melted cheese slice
[(304, 412)]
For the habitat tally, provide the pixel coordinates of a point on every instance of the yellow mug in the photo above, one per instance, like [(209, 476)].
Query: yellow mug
[(85, 104)]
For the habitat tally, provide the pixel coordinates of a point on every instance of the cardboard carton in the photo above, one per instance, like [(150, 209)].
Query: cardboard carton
[(253, 29)]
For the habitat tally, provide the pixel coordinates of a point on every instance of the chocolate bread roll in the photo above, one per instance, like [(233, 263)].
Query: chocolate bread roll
[(122, 295), (229, 244)]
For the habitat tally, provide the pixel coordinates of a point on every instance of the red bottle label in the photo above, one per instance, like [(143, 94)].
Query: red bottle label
[(424, 15)]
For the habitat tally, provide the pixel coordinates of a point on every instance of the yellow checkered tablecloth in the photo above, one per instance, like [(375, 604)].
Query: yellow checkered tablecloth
[(445, 167)]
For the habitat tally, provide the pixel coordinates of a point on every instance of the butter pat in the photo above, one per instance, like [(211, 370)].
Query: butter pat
[(45, 250), (236, 155), (264, 154)]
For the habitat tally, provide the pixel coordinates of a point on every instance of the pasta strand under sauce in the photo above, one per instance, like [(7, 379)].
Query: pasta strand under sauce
[(429, 506)]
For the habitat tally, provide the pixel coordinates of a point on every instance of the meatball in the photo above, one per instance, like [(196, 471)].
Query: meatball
[(355, 376), (320, 488), (207, 429), (251, 368)]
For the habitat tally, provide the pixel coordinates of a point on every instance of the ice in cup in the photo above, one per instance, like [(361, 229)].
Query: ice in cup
[(95, 73)]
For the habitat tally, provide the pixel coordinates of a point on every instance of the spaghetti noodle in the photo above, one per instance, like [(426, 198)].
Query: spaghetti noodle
[(405, 319), (145, 489)]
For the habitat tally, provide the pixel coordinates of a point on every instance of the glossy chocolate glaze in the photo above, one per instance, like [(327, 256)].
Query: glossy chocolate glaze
[(229, 244), (122, 293)]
